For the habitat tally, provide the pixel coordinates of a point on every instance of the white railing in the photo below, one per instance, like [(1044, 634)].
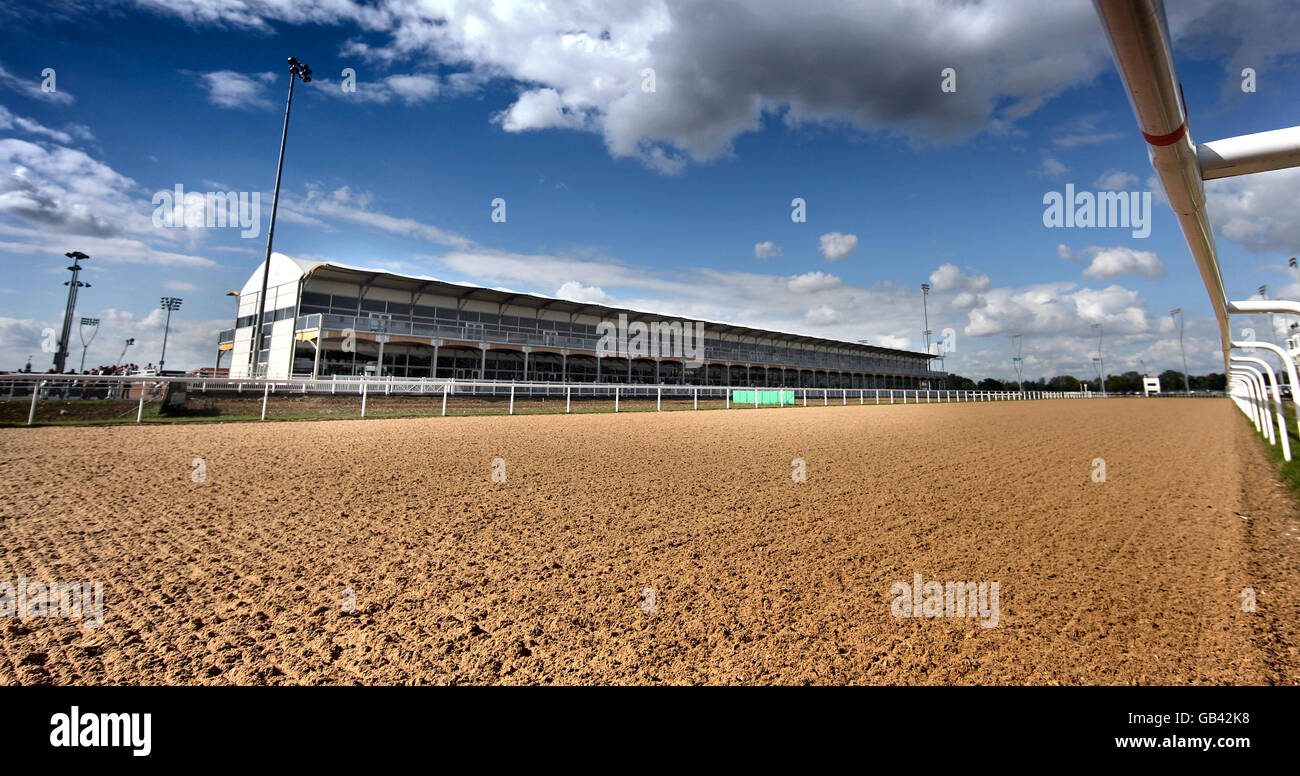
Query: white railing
[(148, 388)]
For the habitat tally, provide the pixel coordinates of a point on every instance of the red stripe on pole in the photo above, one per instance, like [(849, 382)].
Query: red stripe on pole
[(1169, 139)]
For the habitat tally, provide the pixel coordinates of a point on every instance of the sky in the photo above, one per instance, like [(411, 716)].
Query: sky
[(652, 154)]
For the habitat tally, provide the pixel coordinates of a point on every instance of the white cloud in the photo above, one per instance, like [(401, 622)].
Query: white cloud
[(31, 87), (541, 109), (1257, 211), (576, 292), (767, 250), (229, 89), (319, 208), (1119, 260), (1115, 180), (948, 278), (835, 246), (812, 281), (1052, 168)]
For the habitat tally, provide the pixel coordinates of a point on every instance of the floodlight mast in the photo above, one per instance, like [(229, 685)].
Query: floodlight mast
[(61, 354), (296, 70)]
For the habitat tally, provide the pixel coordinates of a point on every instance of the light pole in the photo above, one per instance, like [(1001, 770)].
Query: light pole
[(169, 303), (296, 70), (1018, 340), (129, 342), (925, 310), (61, 355), (1177, 312), (93, 323), (1272, 332), (1100, 359)]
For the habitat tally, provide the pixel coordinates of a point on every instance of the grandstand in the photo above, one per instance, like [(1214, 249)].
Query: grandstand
[(325, 318)]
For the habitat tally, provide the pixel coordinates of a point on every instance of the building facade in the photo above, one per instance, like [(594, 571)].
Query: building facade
[(325, 319)]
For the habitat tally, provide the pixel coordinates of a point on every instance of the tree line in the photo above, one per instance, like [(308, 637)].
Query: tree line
[(1171, 381)]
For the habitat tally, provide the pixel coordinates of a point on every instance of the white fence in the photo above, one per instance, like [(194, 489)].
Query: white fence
[(149, 388)]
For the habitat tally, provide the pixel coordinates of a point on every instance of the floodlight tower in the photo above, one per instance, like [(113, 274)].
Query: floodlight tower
[(1177, 313), (169, 303), (925, 311), (1019, 362), (296, 70), (1101, 364), (128, 343), (93, 324), (61, 354)]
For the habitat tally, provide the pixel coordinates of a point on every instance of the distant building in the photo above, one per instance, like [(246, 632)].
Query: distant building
[(324, 319)]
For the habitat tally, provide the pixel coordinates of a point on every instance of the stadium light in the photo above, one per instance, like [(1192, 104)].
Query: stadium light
[(1101, 364), (925, 296), (1177, 312), (169, 303), (129, 342), (61, 354), (296, 70), (93, 325), (1018, 340)]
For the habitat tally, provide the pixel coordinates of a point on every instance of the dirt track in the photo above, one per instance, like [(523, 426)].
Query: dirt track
[(756, 578)]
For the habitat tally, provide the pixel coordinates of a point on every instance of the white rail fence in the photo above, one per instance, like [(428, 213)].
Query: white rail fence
[(148, 388)]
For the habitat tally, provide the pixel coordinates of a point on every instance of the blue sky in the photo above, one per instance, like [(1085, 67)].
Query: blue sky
[(652, 199)]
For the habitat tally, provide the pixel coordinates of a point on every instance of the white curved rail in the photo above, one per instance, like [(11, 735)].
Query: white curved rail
[(1277, 402)]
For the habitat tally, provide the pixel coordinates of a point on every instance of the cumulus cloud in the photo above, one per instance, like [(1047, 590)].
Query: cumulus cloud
[(577, 292), (1056, 308), (593, 57), (812, 281), (1107, 263), (541, 109), (835, 246), (1257, 211), (948, 278), (767, 250)]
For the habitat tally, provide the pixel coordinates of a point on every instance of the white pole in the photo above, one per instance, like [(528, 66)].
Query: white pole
[(568, 395), (266, 392), (616, 398), (445, 386), (512, 400), (697, 397), (659, 399), (363, 397), (36, 391), (139, 413)]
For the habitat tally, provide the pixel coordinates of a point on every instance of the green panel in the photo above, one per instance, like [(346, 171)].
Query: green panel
[(764, 397)]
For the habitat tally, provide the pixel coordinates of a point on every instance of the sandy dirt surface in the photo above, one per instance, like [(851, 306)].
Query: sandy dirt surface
[(756, 578)]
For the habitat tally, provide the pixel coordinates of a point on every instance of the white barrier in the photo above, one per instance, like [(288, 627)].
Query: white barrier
[(150, 387)]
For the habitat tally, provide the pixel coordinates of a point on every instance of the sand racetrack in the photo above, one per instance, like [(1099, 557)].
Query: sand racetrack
[(756, 578)]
